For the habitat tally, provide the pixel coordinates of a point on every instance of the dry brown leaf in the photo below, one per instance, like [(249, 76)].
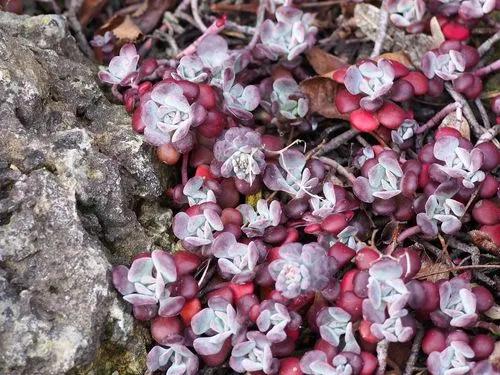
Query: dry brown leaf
[(415, 45), (127, 30), (436, 32), (493, 312), (400, 57), (321, 92), (451, 121), (90, 9), (431, 270), (323, 62)]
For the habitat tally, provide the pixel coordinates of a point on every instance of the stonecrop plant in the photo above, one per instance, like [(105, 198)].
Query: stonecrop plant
[(298, 253)]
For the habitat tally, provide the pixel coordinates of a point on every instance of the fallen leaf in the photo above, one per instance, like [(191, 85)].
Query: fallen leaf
[(415, 45), (321, 92), (127, 30), (431, 270), (451, 121), (494, 357), (436, 32), (400, 57), (90, 9), (148, 19), (493, 312), (323, 62)]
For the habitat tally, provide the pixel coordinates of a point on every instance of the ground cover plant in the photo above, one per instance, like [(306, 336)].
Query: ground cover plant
[(337, 209)]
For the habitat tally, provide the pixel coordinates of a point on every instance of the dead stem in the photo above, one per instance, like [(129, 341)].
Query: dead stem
[(438, 117), (339, 168), (71, 13), (486, 46), (382, 348), (338, 141), (261, 13), (382, 29), (477, 129), (415, 350), (483, 113), (196, 15)]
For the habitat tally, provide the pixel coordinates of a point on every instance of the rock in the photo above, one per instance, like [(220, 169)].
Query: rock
[(73, 178)]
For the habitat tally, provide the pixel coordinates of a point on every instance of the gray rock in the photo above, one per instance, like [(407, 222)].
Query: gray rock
[(73, 178)]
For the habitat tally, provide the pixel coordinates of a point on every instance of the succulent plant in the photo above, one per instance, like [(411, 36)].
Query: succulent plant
[(471, 9), (394, 328), (322, 207), (447, 66), (253, 355), (373, 80), (218, 322), (301, 268), (293, 177), (197, 230), (168, 116), (105, 42), (458, 162), (191, 68), (239, 154), (315, 362), (196, 192), (407, 13), (292, 34), (236, 259), (239, 100), (457, 301), (175, 359), (455, 359), (146, 282), (256, 221), (214, 53), (386, 289), (287, 100), (441, 209), (405, 132), (383, 181), (333, 323), (122, 69), (274, 318)]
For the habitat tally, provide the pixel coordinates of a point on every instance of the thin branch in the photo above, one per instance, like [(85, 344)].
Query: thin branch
[(486, 46), (261, 14), (438, 117), (338, 141), (493, 67), (484, 114), (196, 15), (490, 134), (339, 168), (408, 232), (415, 350), (73, 10), (476, 127), (383, 21), (382, 348)]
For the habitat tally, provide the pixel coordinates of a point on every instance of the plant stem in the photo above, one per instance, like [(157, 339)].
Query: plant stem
[(438, 117), (415, 350), (196, 15), (484, 114), (339, 168), (337, 141), (486, 46), (216, 27), (493, 67), (382, 348), (408, 232), (261, 13), (382, 29), (477, 129), (116, 93), (184, 171)]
